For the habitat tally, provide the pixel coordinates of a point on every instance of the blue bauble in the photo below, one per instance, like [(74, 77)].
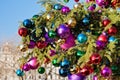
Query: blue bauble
[(82, 38), (19, 72), (57, 6), (27, 23), (65, 64), (111, 39), (86, 21), (63, 72)]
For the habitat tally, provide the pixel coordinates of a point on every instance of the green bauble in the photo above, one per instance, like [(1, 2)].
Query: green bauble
[(114, 68), (66, 1), (55, 63), (52, 34), (41, 70), (80, 53), (35, 16)]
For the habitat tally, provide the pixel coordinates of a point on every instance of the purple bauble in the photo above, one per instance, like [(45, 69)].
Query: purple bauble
[(100, 45), (76, 77), (95, 77), (48, 39), (106, 72), (31, 44), (63, 31), (65, 10), (26, 67), (33, 63), (102, 3), (52, 52), (91, 8)]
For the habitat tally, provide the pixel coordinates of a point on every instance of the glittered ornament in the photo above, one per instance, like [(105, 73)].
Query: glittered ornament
[(66, 1), (86, 21), (65, 64), (112, 30), (65, 10), (106, 72), (105, 22), (19, 72), (41, 70), (72, 22), (82, 38), (27, 23), (41, 44), (23, 47), (57, 6), (76, 77), (52, 34), (32, 44), (111, 39), (86, 70), (23, 32), (26, 67), (55, 63), (95, 58), (33, 63), (63, 72), (102, 38), (80, 53), (63, 31)]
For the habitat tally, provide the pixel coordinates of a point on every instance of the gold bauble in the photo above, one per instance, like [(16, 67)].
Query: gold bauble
[(78, 5), (23, 47), (72, 23), (50, 16)]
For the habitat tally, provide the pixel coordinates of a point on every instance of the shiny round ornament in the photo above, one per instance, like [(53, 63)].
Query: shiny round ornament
[(23, 32), (82, 38), (65, 64), (48, 39), (111, 39), (35, 17), (63, 31), (19, 72), (23, 47), (95, 77), (26, 67), (55, 63), (72, 22), (100, 45), (102, 38), (76, 77), (103, 3), (65, 10), (66, 1), (50, 16), (86, 21), (86, 70), (112, 30), (52, 52), (77, 5), (57, 6), (63, 72), (105, 22), (41, 70), (32, 44), (106, 72), (95, 58), (76, 0), (114, 68), (41, 44), (33, 63), (80, 53), (91, 8), (27, 23), (52, 34)]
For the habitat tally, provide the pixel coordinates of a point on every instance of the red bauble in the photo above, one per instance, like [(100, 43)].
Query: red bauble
[(22, 32), (95, 58), (112, 30), (105, 22), (114, 3), (103, 38), (41, 44), (76, 0), (86, 70)]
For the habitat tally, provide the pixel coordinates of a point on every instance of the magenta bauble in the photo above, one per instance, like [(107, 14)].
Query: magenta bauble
[(33, 63), (103, 3), (31, 44), (26, 67), (106, 72), (65, 10), (76, 77)]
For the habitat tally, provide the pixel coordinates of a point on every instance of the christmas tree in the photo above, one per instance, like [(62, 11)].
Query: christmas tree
[(80, 41)]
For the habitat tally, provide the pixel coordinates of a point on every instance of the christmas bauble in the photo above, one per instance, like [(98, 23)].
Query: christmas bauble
[(82, 38), (95, 58), (105, 22), (95, 77), (76, 6), (23, 32), (52, 52), (112, 30), (65, 10), (48, 39), (65, 64), (27, 23), (102, 38), (32, 44), (23, 47), (80, 53), (89, 1), (50, 16), (41, 44), (63, 72), (41, 70), (86, 21), (76, 77), (52, 34), (114, 68), (72, 22), (106, 72), (100, 45), (103, 3), (86, 70), (55, 63), (63, 31), (26, 67), (19, 72), (76, 0), (33, 63), (57, 6), (91, 8), (66, 1), (35, 16), (111, 39)]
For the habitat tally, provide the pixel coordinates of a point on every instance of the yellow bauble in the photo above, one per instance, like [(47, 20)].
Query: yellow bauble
[(50, 16), (72, 23), (23, 47)]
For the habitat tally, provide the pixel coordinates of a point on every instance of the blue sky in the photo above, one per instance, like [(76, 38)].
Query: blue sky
[(13, 11)]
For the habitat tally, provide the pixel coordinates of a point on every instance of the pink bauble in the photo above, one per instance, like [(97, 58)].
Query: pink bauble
[(26, 67), (103, 3), (106, 72), (33, 63)]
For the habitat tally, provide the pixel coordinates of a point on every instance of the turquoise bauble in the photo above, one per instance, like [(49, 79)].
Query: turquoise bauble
[(19, 72), (27, 23), (63, 72), (65, 64), (57, 6), (82, 38), (86, 21), (111, 39)]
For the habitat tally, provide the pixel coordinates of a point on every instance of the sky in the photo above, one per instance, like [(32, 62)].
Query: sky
[(12, 12)]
